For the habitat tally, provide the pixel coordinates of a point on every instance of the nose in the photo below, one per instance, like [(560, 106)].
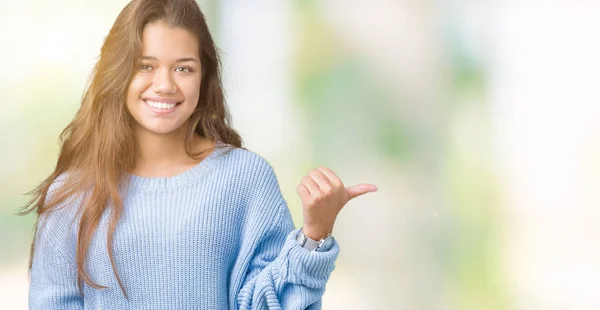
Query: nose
[(162, 82)]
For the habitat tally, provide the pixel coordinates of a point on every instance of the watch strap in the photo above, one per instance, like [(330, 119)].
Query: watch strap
[(313, 245)]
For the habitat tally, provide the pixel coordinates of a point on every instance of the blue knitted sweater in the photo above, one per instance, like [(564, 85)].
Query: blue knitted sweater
[(217, 236)]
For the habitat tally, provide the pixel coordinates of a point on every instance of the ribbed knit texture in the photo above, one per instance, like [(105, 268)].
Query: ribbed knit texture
[(218, 236)]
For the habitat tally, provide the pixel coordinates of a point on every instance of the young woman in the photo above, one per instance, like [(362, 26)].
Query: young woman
[(154, 204)]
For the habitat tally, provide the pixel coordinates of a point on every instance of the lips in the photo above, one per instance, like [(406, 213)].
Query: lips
[(161, 105)]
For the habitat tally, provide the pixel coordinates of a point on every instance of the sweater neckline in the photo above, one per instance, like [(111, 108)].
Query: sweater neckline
[(184, 177)]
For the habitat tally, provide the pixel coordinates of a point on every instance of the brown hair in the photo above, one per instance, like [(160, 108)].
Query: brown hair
[(98, 146)]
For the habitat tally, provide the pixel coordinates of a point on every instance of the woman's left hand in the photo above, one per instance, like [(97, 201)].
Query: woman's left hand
[(323, 196)]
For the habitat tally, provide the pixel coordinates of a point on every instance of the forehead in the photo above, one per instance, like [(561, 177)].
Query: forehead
[(166, 43)]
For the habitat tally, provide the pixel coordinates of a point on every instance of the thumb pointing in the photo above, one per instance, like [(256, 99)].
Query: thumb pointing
[(360, 189)]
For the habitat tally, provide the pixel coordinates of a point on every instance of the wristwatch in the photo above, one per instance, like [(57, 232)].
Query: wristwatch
[(313, 245)]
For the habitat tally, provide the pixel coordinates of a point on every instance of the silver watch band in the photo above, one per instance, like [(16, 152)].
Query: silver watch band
[(308, 243)]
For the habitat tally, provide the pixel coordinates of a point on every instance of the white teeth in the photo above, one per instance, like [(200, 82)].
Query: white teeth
[(160, 105)]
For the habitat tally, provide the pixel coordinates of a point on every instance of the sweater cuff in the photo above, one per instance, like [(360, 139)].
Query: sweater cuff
[(308, 268)]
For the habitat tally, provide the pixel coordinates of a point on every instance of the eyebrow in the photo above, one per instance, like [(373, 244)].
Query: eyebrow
[(186, 59)]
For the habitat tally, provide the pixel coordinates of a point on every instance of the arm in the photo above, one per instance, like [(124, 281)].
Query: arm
[(53, 282), (281, 274), (274, 272)]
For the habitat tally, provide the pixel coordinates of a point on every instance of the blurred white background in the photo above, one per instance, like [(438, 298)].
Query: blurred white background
[(478, 120)]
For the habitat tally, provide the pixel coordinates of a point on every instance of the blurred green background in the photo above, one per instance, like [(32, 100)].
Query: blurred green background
[(479, 122)]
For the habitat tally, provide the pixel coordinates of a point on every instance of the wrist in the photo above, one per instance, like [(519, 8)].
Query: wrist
[(319, 245), (315, 233)]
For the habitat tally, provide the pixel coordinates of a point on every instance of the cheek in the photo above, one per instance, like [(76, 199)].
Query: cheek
[(136, 87), (191, 90)]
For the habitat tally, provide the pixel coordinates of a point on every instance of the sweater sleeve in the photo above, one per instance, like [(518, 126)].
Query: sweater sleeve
[(53, 275), (281, 274)]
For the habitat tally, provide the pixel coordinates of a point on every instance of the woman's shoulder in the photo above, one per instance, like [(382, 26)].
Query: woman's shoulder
[(68, 206), (61, 221), (248, 163), (253, 177)]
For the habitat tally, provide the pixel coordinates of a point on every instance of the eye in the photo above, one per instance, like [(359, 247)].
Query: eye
[(145, 67), (183, 70)]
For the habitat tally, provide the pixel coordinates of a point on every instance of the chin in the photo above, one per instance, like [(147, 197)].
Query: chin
[(161, 129)]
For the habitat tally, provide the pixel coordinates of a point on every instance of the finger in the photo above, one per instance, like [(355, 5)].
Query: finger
[(361, 189), (310, 184), (333, 178), (321, 180), (303, 192)]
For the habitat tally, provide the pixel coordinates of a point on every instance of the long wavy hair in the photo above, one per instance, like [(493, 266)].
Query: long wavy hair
[(98, 147)]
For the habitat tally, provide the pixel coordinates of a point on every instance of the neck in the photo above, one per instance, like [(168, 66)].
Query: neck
[(167, 150)]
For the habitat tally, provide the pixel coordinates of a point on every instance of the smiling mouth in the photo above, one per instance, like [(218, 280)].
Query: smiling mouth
[(161, 107)]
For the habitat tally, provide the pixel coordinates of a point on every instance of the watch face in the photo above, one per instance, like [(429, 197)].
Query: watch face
[(326, 244)]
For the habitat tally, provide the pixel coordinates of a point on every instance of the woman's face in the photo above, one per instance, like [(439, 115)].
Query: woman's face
[(166, 87)]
